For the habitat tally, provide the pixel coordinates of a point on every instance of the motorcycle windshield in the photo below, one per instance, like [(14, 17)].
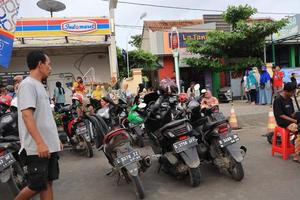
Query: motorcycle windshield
[(103, 112)]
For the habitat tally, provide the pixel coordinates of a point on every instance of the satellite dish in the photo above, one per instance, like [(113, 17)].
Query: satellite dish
[(51, 6)]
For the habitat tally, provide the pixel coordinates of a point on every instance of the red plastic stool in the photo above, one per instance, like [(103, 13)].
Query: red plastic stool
[(285, 148)]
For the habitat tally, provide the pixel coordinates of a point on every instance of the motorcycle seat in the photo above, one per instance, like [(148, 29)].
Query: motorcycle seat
[(9, 138), (212, 125), (113, 134), (65, 109), (172, 124)]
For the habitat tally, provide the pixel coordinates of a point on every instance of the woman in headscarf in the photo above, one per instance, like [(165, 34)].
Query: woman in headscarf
[(208, 100), (251, 84), (257, 77), (97, 93), (265, 89)]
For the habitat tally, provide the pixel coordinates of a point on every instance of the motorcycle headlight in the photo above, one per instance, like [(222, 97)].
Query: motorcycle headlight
[(228, 91), (6, 119)]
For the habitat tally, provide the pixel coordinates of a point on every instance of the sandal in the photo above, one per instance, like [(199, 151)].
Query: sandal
[(296, 160)]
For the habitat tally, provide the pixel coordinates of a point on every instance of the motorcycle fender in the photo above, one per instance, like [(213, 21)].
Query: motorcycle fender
[(133, 169), (235, 151), (5, 175), (190, 157)]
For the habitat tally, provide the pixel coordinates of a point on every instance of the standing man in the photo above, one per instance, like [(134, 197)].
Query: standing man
[(37, 130), (277, 81)]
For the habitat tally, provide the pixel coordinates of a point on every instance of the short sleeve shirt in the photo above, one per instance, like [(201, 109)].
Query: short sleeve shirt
[(32, 94), (283, 106)]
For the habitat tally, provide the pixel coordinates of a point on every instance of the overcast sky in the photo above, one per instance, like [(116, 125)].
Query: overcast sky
[(129, 14)]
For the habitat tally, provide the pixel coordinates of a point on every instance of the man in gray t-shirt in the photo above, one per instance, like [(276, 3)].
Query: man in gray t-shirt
[(37, 129)]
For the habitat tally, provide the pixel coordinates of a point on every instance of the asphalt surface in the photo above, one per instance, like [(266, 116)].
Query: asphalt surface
[(266, 177)]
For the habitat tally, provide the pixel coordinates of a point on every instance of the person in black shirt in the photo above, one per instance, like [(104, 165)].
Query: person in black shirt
[(293, 79), (285, 115)]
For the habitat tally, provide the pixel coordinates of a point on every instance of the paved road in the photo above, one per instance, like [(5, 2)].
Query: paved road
[(265, 177)]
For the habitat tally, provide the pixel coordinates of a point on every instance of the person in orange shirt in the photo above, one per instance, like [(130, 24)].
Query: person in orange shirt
[(277, 81), (78, 86)]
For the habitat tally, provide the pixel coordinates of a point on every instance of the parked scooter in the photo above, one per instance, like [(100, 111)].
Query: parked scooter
[(172, 139), (134, 122), (216, 141), (11, 166), (77, 127), (116, 142)]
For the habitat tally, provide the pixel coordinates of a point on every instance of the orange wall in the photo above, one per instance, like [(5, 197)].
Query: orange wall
[(168, 68)]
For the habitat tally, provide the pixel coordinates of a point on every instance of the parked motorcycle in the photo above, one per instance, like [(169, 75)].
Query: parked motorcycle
[(216, 141), (11, 166), (172, 139), (126, 162), (78, 129), (134, 122)]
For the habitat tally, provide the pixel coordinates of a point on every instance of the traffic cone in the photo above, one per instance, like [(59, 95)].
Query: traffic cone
[(233, 119), (271, 121)]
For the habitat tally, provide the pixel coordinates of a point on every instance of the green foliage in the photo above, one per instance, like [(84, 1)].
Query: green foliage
[(241, 48), (136, 41), (137, 59), (235, 14)]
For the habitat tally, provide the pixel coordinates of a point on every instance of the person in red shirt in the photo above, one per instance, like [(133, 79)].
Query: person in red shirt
[(277, 81)]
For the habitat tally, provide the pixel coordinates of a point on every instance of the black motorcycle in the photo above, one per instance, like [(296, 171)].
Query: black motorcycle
[(116, 144), (172, 139), (11, 165), (216, 141)]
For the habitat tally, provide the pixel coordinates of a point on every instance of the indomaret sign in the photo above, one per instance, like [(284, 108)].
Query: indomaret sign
[(62, 27)]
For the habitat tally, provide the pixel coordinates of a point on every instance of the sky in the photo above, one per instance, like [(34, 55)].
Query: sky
[(129, 14)]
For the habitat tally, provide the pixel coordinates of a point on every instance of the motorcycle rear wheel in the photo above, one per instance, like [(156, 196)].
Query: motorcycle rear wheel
[(237, 171), (139, 189), (195, 176), (14, 184)]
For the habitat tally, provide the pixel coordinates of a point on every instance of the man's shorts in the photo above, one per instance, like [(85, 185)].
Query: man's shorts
[(40, 171)]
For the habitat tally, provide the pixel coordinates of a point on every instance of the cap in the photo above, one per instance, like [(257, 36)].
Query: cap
[(289, 87)]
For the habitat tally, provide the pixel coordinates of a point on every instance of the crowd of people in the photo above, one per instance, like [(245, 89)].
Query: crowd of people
[(259, 87)]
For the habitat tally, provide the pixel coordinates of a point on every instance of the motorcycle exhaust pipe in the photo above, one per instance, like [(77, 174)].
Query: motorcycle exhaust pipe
[(243, 150), (146, 161)]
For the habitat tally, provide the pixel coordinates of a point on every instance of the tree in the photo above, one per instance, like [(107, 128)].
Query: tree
[(136, 41), (234, 14), (137, 59), (239, 49)]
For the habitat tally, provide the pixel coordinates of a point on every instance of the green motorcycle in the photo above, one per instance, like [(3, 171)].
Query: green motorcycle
[(135, 122)]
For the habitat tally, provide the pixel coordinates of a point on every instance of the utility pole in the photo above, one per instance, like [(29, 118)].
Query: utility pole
[(175, 47)]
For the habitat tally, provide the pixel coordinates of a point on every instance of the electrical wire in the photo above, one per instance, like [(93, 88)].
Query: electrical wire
[(193, 9)]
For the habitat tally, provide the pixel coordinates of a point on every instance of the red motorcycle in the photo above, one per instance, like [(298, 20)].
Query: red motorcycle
[(77, 126)]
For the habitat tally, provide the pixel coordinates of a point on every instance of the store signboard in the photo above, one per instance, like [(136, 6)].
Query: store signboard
[(291, 29), (8, 17), (62, 27), (185, 36)]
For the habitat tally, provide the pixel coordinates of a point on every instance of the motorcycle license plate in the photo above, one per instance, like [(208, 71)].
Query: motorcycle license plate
[(6, 161), (127, 159), (81, 130), (228, 140), (185, 144)]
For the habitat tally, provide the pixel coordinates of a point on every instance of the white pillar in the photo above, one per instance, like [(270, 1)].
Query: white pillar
[(112, 49)]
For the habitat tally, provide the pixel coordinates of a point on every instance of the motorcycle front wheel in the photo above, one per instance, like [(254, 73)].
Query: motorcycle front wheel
[(17, 180), (195, 176), (236, 171), (88, 149)]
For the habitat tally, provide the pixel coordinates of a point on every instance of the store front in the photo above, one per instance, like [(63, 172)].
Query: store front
[(76, 47)]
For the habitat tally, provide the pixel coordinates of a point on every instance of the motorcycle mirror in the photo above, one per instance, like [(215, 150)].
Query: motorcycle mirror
[(197, 87), (142, 105)]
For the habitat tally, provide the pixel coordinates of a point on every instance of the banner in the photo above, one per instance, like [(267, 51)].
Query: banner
[(8, 18), (288, 72), (62, 27)]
